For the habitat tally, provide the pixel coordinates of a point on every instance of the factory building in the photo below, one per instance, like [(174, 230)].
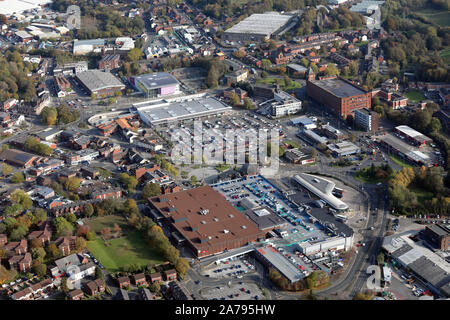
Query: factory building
[(100, 83), (339, 96), (208, 223), (258, 27)]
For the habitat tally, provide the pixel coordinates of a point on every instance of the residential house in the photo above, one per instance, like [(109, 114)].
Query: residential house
[(19, 247), (43, 236), (3, 240), (123, 282), (95, 287), (21, 263), (66, 244), (76, 294), (139, 280), (170, 275), (156, 277)]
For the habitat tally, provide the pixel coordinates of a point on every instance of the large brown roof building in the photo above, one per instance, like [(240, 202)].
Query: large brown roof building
[(208, 222), (339, 96)]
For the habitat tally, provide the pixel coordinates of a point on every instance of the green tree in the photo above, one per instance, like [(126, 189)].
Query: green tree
[(182, 266), (134, 55), (71, 217), (151, 190), (88, 210), (99, 274), (71, 184), (234, 100), (6, 169), (18, 177), (63, 227), (21, 197), (331, 70), (40, 269), (90, 236), (64, 286), (193, 180), (38, 254)]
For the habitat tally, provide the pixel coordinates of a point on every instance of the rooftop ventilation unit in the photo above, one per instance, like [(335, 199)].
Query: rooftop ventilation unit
[(231, 215), (203, 222), (204, 212), (225, 231), (244, 227)]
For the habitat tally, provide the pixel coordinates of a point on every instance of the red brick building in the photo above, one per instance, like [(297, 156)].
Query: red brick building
[(207, 222), (170, 275), (339, 96)]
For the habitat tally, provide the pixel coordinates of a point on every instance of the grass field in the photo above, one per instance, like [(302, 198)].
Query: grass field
[(99, 223), (420, 193), (445, 54), (400, 162), (130, 249), (283, 86), (439, 17), (415, 95)]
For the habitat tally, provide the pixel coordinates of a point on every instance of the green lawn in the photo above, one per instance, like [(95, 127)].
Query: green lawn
[(400, 162), (439, 17), (294, 84), (415, 95), (99, 223), (420, 193), (445, 54), (130, 249)]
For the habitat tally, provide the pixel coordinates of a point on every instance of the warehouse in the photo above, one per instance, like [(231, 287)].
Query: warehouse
[(208, 222), (405, 151), (257, 27), (338, 95), (265, 218), (412, 136), (100, 83), (272, 258), (342, 149), (155, 85), (19, 158), (163, 111), (423, 263)]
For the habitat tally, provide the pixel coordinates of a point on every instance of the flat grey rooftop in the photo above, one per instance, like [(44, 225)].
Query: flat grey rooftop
[(166, 110), (96, 80), (264, 218), (264, 24), (339, 88), (156, 80), (291, 272)]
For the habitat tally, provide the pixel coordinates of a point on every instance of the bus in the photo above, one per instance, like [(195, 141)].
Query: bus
[(342, 217)]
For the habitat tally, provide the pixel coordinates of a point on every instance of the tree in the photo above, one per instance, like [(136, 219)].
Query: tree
[(88, 210), (99, 274), (193, 180), (38, 254), (331, 70), (63, 227), (93, 96), (151, 190), (21, 197), (49, 116), (130, 207), (182, 267), (64, 286), (90, 236), (18, 177), (19, 233), (40, 269), (264, 74), (71, 184), (52, 251), (212, 80), (129, 181), (248, 104), (80, 244), (134, 55), (234, 100), (172, 254), (71, 217), (6, 169), (40, 215)]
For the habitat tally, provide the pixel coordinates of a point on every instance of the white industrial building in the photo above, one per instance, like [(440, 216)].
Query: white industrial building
[(284, 105)]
